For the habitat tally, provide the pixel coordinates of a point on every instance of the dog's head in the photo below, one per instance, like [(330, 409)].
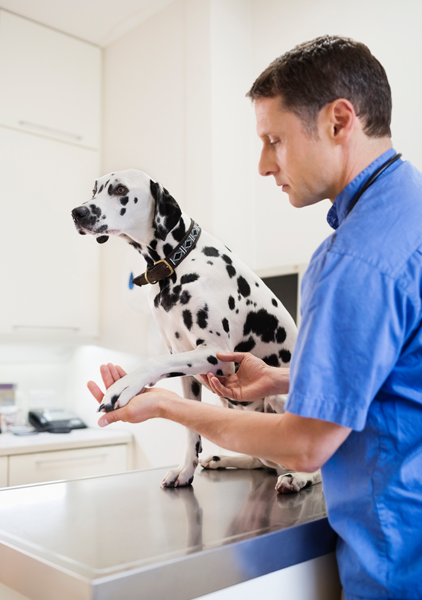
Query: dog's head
[(127, 202)]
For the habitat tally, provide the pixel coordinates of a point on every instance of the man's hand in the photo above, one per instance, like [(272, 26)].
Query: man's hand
[(140, 408), (253, 380)]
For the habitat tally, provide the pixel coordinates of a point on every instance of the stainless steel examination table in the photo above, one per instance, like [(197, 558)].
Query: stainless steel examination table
[(123, 537)]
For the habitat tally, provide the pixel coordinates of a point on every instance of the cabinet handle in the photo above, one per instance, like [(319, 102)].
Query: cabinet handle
[(62, 460), (46, 328), (51, 130)]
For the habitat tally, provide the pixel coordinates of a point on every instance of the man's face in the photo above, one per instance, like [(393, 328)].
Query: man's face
[(299, 162)]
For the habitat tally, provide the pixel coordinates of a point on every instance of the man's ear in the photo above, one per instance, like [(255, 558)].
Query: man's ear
[(342, 117), (167, 212)]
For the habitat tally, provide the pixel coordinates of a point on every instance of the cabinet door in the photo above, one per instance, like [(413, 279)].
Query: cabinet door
[(49, 274), (67, 464), (50, 82), (3, 471)]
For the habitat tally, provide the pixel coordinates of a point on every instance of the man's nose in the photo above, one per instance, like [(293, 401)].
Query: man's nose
[(266, 166)]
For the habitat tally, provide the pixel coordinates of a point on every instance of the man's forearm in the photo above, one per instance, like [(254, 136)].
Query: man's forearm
[(294, 442)]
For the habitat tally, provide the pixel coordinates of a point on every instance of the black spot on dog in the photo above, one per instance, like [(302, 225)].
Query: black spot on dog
[(226, 325), (212, 360), (176, 374), (114, 399), (202, 317), (210, 251), (285, 355), (262, 324), (216, 458), (96, 210), (246, 346), (122, 212), (185, 297), (135, 200), (177, 335), (153, 255), (243, 286), (187, 319), (110, 190), (220, 372), (179, 232), (167, 248), (232, 303), (189, 365), (167, 212), (199, 342), (102, 228), (227, 259), (153, 244), (170, 298), (274, 302), (189, 278), (257, 284), (237, 402), (231, 270), (272, 360), (157, 300), (198, 445), (101, 189), (281, 335), (124, 201), (209, 262)]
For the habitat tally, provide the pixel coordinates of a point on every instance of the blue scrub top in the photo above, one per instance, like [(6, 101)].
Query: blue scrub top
[(358, 363)]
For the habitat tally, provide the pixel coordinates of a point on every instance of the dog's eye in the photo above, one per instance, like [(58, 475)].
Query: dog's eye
[(122, 190), (94, 192)]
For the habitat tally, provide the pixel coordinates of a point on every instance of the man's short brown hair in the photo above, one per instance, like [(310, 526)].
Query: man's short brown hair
[(318, 72)]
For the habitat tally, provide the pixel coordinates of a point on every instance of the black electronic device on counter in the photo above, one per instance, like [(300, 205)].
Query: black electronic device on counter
[(55, 420)]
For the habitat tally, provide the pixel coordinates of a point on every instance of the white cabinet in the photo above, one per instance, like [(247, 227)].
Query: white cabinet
[(50, 82), (49, 274), (67, 464), (3, 471), (49, 158)]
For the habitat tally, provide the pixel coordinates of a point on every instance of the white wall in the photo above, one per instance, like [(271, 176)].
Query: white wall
[(392, 32)]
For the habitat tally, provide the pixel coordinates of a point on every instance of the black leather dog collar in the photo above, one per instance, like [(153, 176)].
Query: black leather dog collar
[(165, 267)]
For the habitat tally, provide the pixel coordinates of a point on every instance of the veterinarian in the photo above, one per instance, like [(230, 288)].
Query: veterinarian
[(354, 408)]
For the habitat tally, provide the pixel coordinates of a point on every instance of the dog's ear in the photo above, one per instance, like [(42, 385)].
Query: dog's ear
[(167, 212)]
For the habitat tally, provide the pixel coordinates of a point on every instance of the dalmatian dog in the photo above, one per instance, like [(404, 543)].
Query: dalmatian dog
[(204, 300)]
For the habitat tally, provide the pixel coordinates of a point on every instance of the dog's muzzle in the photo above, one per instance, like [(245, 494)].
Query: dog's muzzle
[(82, 216)]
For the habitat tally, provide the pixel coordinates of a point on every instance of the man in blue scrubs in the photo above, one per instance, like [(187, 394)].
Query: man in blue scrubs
[(355, 397)]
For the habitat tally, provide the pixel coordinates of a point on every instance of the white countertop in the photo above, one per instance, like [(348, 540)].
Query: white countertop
[(47, 442)]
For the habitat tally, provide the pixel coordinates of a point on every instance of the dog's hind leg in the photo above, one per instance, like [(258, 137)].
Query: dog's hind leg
[(184, 473)]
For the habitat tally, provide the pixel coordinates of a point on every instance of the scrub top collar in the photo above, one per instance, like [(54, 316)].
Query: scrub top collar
[(338, 211)]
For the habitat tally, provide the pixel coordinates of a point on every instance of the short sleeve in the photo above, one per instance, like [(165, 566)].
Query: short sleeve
[(351, 335)]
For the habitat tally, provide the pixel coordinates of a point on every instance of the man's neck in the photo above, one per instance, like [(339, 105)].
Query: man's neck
[(360, 156)]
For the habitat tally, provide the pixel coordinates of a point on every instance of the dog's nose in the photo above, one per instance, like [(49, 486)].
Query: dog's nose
[(79, 213)]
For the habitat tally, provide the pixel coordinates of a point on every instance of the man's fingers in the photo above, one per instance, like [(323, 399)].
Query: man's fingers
[(231, 356), (220, 389), (121, 371), (95, 391)]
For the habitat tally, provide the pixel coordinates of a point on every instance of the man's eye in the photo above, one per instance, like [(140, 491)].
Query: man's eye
[(121, 190)]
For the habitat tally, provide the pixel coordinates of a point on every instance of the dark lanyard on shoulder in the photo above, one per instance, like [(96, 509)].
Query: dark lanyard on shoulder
[(372, 180), (366, 185)]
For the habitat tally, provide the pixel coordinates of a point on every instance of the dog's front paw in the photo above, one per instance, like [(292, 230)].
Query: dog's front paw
[(179, 477), (119, 394), (291, 483)]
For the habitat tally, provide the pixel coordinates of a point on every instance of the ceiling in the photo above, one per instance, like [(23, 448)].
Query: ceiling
[(97, 21)]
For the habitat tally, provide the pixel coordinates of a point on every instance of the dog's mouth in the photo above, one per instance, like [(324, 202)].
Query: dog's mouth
[(86, 224)]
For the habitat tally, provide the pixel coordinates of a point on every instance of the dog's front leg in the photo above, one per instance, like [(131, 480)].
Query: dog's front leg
[(201, 360), (183, 475)]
